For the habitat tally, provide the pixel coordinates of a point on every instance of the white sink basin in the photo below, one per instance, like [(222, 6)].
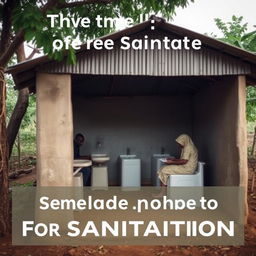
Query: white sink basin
[(82, 162), (127, 156), (100, 158)]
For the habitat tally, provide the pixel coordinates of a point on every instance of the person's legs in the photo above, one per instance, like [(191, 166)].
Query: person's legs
[(86, 176), (163, 191), (89, 174), (163, 176)]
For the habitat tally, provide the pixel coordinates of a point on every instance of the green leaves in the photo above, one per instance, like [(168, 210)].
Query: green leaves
[(28, 16), (235, 33), (71, 57), (251, 103)]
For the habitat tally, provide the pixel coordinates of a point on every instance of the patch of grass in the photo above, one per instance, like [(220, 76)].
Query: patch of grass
[(28, 184)]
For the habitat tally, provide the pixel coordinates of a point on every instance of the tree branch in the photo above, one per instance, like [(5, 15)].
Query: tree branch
[(80, 3), (6, 26), (19, 38), (31, 55), (6, 56), (48, 6)]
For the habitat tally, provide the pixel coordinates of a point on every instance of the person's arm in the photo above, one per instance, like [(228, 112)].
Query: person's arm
[(176, 161)]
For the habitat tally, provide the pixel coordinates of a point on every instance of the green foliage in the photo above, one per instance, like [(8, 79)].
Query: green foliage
[(251, 103), (29, 17), (27, 130), (11, 97), (235, 33), (28, 184), (29, 119)]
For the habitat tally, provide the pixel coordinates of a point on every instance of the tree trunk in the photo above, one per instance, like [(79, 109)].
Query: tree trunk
[(16, 117), (4, 183), (20, 108)]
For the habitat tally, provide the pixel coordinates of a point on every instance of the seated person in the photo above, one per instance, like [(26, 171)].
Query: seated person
[(86, 171), (185, 165)]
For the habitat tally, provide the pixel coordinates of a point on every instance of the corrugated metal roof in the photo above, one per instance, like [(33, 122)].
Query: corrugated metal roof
[(215, 58), (206, 62)]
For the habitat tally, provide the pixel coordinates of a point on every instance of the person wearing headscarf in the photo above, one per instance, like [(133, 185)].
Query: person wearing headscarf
[(186, 164)]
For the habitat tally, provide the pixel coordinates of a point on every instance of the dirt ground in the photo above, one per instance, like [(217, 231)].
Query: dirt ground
[(249, 249)]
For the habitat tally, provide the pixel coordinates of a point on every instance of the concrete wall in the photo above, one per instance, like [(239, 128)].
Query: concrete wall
[(144, 124), (219, 110)]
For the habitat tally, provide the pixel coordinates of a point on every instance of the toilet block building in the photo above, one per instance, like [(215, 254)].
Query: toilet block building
[(142, 100)]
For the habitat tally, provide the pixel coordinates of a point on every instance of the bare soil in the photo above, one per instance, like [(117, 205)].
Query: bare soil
[(249, 249)]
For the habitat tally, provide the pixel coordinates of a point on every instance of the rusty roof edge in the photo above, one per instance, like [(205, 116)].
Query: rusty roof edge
[(162, 24)]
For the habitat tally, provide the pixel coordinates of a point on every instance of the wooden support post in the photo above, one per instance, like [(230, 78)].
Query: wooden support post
[(54, 130), (241, 139)]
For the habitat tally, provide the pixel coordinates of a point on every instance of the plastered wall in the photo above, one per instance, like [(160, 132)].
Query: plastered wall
[(219, 127), (142, 124)]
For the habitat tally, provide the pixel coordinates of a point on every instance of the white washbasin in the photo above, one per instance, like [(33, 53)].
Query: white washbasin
[(127, 156), (100, 158), (82, 162)]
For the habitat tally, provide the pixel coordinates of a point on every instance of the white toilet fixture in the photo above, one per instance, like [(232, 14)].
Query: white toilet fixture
[(130, 167), (188, 180), (78, 180), (78, 184), (194, 183), (99, 177)]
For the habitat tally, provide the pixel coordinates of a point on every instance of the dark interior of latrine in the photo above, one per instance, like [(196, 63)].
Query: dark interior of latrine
[(107, 86), (144, 115)]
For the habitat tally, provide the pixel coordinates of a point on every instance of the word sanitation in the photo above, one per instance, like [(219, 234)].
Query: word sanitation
[(136, 229)]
